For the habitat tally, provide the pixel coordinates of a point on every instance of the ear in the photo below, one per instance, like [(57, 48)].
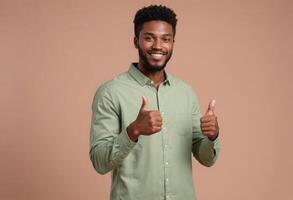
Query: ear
[(135, 42)]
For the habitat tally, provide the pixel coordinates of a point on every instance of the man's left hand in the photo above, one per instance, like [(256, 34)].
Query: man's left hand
[(209, 123)]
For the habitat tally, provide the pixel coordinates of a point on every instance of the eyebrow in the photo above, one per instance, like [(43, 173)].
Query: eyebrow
[(152, 34)]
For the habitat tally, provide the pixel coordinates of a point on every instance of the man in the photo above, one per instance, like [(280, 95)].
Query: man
[(146, 123)]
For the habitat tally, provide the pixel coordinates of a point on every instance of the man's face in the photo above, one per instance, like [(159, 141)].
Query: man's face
[(155, 45)]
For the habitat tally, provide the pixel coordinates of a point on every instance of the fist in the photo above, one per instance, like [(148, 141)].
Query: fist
[(209, 123), (147, 122)]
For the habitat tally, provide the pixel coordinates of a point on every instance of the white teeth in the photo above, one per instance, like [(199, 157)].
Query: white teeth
[(157, 55)]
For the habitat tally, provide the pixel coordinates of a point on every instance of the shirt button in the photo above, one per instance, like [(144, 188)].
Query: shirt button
[(162, 113), (164, 128), (167, 163), (167, 179), (166, 146)]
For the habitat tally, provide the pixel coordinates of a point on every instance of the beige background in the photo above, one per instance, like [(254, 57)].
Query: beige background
[(54, 54)]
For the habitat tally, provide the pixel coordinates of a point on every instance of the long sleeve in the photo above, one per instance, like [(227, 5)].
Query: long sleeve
[(203, 149), (109, 145)]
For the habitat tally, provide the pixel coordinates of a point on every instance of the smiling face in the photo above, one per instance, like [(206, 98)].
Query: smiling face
[(155, 45)]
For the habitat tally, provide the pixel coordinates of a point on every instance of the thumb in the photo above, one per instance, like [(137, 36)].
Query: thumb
[(211, 108), (144, 104)]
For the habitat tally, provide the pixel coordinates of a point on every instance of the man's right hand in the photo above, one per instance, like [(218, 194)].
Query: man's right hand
[(147, 122)]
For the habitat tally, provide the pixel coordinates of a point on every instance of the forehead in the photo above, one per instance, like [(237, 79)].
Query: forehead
[(157, 27)]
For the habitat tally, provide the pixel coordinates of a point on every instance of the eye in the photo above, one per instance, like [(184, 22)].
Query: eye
[(148, 38), (166, 39)]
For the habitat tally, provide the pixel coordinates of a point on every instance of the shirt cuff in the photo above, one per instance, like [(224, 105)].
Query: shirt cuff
[(213, 145), (125, 143)]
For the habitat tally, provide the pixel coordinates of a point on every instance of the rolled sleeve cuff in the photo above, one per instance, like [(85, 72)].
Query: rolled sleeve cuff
[(125, 143), (213, 145), (209, 151)]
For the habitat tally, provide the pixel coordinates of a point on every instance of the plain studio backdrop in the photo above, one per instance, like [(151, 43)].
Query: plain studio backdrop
[(55, 53)]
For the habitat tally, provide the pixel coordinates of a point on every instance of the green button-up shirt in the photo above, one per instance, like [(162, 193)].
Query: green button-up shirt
[(158, 166)]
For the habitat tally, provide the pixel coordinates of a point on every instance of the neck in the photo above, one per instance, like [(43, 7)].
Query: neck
[(156, 76)]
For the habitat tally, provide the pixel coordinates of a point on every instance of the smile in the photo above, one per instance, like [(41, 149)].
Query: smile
[(157, 55)]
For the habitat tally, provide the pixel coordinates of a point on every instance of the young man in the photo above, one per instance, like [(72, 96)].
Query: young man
[(146, 123)]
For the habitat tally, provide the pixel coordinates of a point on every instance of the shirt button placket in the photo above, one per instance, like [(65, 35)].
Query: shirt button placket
[(166, 163), (165, 148)]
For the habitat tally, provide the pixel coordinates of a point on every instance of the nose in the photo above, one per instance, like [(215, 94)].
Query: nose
[(157, 44)]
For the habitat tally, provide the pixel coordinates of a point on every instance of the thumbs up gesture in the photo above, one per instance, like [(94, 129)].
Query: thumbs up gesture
[(147, 122), (208, 122)]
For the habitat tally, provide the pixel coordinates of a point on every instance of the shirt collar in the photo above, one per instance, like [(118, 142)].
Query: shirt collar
[(143, 79)]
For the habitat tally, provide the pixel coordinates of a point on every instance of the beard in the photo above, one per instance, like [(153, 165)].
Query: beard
[(148, 66)]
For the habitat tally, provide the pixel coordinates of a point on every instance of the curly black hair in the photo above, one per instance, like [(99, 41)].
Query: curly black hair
[(154, 12)]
